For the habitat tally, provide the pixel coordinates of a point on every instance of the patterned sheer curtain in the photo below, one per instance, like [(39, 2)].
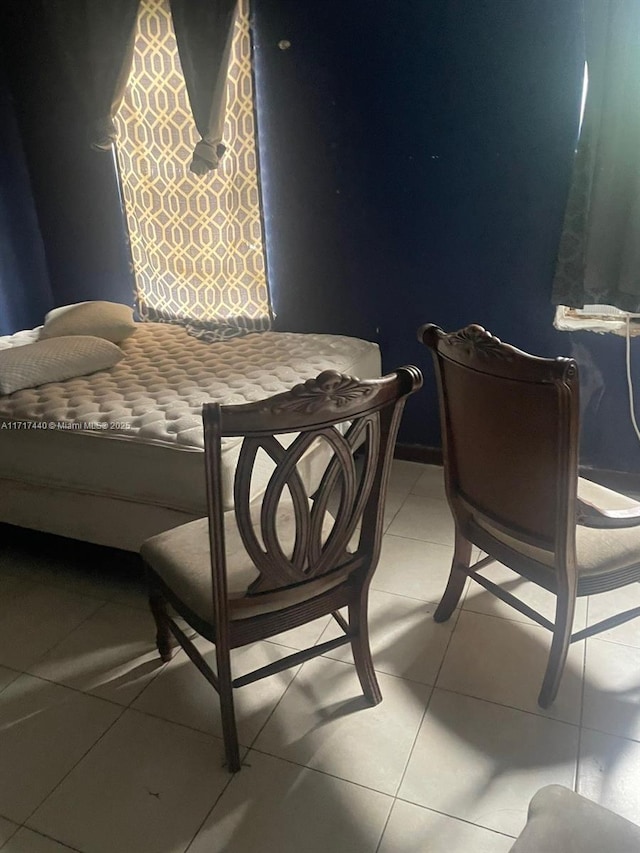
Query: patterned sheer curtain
[(196, 241)]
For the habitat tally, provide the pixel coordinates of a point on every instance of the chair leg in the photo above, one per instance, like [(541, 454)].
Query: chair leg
[(457, 578), (229, 729), (164, 638), (359, 626), (560, 643)]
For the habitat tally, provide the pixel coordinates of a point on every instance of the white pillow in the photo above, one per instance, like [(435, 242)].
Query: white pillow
[(55, 360), (109, 320)]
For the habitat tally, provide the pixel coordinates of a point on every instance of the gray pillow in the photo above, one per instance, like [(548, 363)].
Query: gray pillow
[(109, 320), (55, 360)]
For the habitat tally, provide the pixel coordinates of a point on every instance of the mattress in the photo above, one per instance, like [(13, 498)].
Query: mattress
[(134, 433)]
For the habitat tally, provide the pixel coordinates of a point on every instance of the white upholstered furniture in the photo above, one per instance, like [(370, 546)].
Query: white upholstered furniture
[(561, 821), (116, 457)]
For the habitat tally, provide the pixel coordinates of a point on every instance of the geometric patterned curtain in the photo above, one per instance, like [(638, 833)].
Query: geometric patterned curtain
[(196, 241)]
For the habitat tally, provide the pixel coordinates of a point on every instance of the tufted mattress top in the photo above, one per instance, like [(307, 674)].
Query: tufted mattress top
[(135, 431)]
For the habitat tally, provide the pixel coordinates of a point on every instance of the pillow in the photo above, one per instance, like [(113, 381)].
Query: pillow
[(52, 361), (109, 320)]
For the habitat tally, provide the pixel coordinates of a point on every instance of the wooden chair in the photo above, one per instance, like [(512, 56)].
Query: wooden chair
[(282, 559), (510, 427)]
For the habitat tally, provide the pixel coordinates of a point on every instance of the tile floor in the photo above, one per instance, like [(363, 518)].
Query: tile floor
[(105, 750)]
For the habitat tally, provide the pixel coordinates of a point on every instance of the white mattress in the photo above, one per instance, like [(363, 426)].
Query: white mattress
[(134, 432)]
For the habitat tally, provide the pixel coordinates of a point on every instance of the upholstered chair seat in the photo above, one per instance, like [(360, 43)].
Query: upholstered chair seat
[(299, 549), (604, 556), (181, 559), (561, 821)]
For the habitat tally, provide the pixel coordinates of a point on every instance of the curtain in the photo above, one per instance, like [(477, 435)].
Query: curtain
[(599, 253), (196, 242), (95, 39), (204, 34)]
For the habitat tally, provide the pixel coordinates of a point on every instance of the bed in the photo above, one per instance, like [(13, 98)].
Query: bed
[(117, 456)]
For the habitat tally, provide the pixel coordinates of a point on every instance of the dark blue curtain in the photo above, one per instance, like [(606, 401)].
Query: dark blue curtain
[(599, 253), (25, 293)]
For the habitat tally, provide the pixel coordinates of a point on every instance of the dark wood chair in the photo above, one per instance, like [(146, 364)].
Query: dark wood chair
[(510, 429), (293, 553)]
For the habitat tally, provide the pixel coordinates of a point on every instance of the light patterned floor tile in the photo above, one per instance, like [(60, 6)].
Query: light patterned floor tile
[(145, 787), (112, 654), (470, 776), (27, 841), (504, 662), (608, 773), (404, 475), (413, 829), (612, 689), (427, 519), (302, 637), (324, 722), (181, 694), (413, 568), (430, 483), (273, 806), (45, 730), (405, 641), (483, 762), (609, 604), (33, 623), (392, 504), (479, 600)]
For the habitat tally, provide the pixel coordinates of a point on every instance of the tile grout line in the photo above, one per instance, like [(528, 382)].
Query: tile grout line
[(509, 707), (419, 727), (248, 750), (386, 823), (456, 817), (42, 835), (123, 710), (428, 704), (251, 747), (71, 769), (322, 772), (68, 634), (576, 778)]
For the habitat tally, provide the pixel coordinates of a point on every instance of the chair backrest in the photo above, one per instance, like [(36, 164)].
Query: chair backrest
[(344, 426), (510, 426)]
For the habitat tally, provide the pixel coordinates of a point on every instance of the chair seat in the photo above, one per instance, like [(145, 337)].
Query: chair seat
[(602, 498), (601, 553), (560, 821), (181, 558)]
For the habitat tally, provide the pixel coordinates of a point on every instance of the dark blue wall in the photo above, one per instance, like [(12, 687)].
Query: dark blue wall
[(75, 189), (25, 293), (415, 164)]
